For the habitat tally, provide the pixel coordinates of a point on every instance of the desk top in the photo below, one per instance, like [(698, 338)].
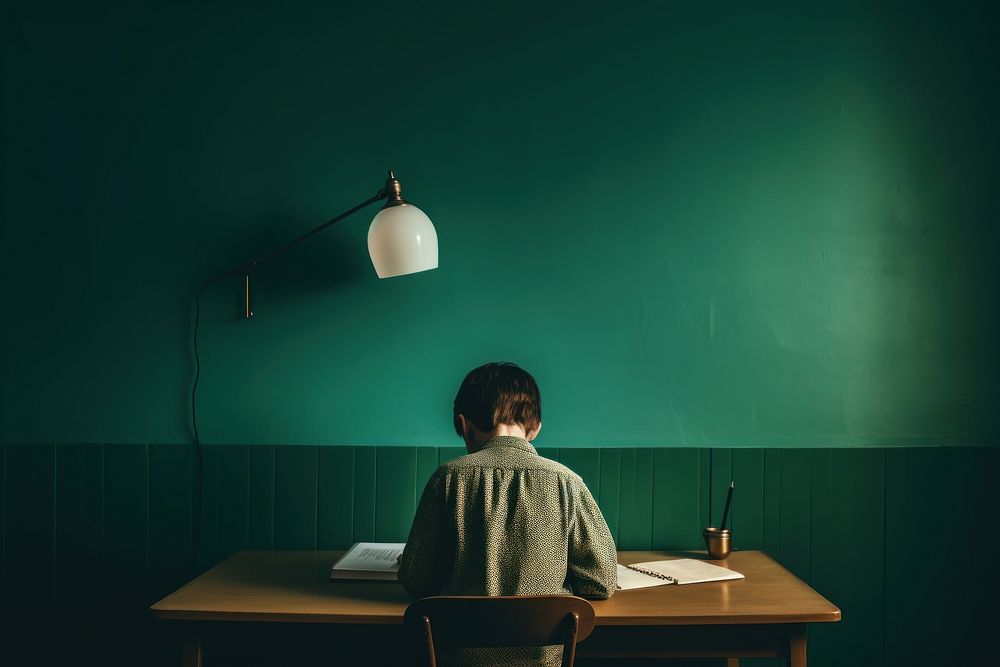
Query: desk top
[(294, 586)]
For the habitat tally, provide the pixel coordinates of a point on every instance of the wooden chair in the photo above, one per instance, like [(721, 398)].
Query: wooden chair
[(522, 620)]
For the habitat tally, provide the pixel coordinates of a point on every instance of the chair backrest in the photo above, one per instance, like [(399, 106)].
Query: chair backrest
[(521, 620)]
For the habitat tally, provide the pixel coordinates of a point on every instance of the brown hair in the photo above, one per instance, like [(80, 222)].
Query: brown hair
[(498, 393)]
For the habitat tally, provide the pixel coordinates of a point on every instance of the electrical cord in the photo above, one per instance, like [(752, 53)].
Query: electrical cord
[(198, 471), (198, 464)]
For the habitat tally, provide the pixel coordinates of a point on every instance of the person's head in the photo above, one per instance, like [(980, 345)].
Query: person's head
[(497, 399)]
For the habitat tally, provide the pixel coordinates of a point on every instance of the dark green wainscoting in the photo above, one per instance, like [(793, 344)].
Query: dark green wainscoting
[(92, 534)]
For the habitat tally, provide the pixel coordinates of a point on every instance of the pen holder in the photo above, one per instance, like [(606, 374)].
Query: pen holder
[(719, 542)]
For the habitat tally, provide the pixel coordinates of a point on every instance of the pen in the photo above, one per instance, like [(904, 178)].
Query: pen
[(729, 500)]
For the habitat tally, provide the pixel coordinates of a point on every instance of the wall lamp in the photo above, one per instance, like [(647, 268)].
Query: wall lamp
[(401, 240)]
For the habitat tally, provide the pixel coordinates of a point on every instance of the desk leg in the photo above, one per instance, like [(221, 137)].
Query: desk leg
[(192, 651), (797, 646)]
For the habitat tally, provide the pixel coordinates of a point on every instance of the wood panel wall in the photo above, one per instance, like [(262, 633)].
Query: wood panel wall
[(92, 534)]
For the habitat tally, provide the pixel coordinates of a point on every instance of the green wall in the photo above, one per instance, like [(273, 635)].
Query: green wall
[(753, 241), (750, 226)]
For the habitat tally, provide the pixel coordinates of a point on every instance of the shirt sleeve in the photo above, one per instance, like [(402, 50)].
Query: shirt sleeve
[(592, 567), (426, 562)]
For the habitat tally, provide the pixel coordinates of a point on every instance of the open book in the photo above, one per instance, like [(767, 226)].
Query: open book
[(376, 561), (678, 571)]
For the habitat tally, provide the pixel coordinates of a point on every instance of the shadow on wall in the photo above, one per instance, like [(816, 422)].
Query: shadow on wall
[(329, 264), (329, 260)]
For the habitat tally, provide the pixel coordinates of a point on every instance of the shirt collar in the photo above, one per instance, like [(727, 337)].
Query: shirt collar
[(510, 441)]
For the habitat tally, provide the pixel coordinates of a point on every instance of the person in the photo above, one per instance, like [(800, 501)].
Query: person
[(503, 520)]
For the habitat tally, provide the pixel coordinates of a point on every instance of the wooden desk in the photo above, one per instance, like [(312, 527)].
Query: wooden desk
[(763, 615)]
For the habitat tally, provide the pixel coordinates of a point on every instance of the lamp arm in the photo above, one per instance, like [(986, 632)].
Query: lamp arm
[(381, 194), (245, 268)]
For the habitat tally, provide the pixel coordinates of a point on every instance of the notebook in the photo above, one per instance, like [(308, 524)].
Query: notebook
[(677, 571), (373, 561)]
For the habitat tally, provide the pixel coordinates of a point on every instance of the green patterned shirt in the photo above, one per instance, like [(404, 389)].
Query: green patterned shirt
[(506, 521)]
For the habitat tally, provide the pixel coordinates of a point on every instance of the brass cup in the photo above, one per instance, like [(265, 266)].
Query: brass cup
[(719, 542)]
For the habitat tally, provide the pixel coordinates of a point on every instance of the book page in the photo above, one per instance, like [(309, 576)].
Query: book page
[(372, 557), (629, 579), (689, 570)]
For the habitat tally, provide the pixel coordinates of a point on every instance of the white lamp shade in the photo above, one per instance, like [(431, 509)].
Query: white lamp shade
[(402, 240)]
